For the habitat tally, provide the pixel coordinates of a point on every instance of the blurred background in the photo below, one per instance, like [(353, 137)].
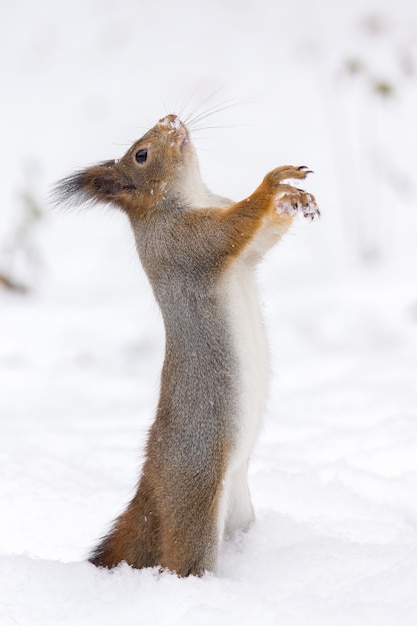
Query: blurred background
[(332, 85), (329, 84)]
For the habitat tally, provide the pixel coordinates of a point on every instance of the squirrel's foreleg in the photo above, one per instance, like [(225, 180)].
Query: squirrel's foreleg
[(269, 210)]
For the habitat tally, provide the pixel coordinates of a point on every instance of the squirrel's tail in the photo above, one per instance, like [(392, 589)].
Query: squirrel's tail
[(134, 537)]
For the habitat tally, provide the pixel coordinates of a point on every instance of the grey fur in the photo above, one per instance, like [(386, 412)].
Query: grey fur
[(199, 378)]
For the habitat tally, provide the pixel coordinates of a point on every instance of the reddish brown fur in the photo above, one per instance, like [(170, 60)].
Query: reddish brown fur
[(172, 519), (152, 531), (241, 222), (149, 532)]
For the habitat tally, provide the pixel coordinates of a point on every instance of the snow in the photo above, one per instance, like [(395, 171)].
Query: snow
[(334, 474)]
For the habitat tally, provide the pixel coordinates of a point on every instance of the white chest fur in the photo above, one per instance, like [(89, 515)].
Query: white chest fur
[(250, 347), (248, 338)]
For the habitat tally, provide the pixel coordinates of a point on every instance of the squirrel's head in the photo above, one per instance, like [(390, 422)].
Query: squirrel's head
[(155, 170)]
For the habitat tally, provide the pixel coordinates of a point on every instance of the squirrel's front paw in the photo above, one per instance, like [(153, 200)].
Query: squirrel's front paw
[(291, 203), (310, 208), (289, 200), (277, 177)]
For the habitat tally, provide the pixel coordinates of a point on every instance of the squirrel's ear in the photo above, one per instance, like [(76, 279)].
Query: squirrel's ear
[(102, 182)]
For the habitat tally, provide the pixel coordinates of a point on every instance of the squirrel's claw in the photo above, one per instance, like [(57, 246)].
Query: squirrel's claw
[(285, 173), (311, 210)]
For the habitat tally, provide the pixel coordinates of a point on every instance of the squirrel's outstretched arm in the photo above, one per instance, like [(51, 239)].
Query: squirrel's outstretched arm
[(271, 209)]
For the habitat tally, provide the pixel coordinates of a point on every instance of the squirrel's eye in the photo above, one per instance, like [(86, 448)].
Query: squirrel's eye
[(141, 155)]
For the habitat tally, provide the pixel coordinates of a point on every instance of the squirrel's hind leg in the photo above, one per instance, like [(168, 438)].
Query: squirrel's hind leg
[(239, 509), (190, 530)]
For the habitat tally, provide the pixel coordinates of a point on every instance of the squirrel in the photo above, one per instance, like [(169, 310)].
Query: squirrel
[(199, 251)]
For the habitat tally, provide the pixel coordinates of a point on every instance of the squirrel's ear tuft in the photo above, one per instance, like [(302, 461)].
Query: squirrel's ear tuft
[(102, 182), (107, 184)]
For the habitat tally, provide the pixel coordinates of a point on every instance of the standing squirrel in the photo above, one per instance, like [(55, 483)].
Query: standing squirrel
[(199, 251)]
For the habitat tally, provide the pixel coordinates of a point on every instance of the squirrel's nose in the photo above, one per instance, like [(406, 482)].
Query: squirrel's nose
[(172, 125)]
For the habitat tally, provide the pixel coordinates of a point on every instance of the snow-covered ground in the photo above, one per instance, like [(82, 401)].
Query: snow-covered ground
[(334, 475)]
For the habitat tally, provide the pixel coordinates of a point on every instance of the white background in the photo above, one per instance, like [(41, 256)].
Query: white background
[(334, 475)]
